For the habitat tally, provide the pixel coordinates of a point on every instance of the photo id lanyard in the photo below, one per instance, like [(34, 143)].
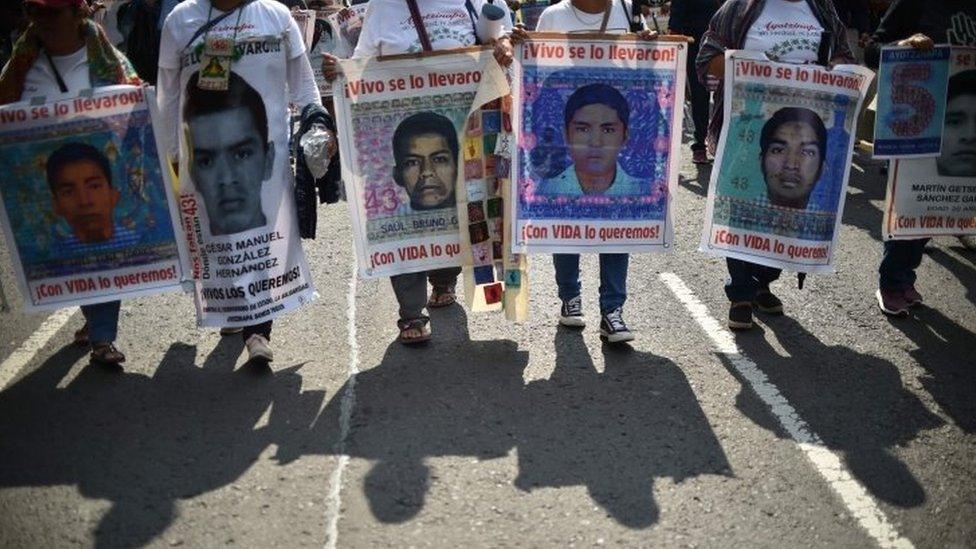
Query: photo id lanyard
[(217, 55)]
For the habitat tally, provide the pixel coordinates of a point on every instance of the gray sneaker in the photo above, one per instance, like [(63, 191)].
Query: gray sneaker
[(571, 313), (613, 328)]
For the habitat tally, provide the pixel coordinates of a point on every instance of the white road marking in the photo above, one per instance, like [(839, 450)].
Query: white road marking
[(854, 496), (334, 502), (29, 348)]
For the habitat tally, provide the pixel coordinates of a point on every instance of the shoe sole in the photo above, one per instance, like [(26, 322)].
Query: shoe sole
[(617, 338), (267, 357), (572, 321), (738, 326), (889, 312)]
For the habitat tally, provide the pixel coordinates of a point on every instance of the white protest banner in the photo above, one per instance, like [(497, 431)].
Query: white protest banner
[(236, 186), (937, 196), (911, 102), (87, 208), (598, 132), (776, 193), (305, 19), (400, 123)]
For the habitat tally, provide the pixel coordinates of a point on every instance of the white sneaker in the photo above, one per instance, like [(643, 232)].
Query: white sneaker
[(258, 348), (968, 241), (571, 313)]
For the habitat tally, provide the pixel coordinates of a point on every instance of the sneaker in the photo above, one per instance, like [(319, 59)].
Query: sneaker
[(740, 316), (258, 348), (571, 313), (968, 241), (892, 302), (613, 328), (768, 303), (912, 297), (230, 331), (700, 156), (106, 353)]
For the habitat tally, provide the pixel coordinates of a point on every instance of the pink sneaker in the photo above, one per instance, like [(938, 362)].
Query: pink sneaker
[(892, 302), (912, 297)]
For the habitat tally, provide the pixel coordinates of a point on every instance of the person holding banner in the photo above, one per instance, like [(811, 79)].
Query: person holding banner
[(233, 110), (392, 27), (596, 120), (61, 53), (788, 31), (922, 24)]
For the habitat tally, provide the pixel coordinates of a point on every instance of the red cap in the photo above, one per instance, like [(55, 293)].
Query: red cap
[(57, 3)]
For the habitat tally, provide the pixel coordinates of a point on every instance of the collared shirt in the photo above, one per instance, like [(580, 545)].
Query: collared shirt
[(567, 184)]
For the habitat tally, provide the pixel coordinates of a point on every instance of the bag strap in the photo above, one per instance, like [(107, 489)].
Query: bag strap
[(635, 15), (473, 15), (606, 16), (213, 22), (418, 22)]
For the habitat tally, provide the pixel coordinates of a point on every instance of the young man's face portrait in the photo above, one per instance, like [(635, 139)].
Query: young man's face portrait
[(428, 172), (228, 164), (595, 134), (84, 197), (958, 157), (791, 164)]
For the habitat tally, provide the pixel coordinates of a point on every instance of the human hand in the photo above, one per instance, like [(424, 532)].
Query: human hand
[(518, 35), (647, 34), (330, 67), (504, 53), (918, 41)]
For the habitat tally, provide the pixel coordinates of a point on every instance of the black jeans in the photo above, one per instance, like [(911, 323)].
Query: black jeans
[(264, 329), (699, 100), (901, 258), (746, 279)]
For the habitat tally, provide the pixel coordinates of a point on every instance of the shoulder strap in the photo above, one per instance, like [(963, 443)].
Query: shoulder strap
[(213, 22), (634, 17), (473, 15), (418, 22)]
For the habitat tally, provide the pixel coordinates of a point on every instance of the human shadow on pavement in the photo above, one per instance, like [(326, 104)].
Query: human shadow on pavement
[(453, 397), (698, 184), (945, 350), (614, 432), (964, 270), (855, 402), (143, 443)]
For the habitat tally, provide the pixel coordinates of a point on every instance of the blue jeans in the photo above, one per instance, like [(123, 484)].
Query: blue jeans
[(613, 278), (901, 258), (746, 279), (103, 321)]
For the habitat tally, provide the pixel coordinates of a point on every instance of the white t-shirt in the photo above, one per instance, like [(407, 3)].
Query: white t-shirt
[(564, 17), (786, 31), (388, 28), (73, 68)]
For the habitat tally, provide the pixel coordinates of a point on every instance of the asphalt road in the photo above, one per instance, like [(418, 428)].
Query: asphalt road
[(830, 426)]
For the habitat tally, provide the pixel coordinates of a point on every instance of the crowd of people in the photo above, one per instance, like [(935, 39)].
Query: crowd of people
[(55, 48)]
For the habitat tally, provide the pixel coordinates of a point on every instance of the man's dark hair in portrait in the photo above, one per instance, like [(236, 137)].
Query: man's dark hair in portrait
[(793, 149), (425, 153), (958, 158), (80, 178), (230, 155)]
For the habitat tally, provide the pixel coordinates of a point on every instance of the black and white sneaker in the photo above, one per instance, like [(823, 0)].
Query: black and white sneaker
[(571, 313), (613, 328)]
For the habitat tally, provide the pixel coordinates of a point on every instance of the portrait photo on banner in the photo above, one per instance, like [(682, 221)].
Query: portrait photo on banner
[(409, 156), (594, 143), (85, 196), (784, 165)]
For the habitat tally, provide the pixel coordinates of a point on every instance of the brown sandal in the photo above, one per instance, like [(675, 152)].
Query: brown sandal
[(419, 324), (442, 297)]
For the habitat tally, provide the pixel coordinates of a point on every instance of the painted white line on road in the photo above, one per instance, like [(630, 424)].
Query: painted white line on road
[(854, 496), (334, 503), (29, 348)]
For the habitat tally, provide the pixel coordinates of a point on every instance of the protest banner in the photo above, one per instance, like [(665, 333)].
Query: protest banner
[(305, 19), (400, 124), (598, 133), (937, 196), (494, 278), (338, 35), (236, 198), (777, 190), (87, 211), (911, 102)]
